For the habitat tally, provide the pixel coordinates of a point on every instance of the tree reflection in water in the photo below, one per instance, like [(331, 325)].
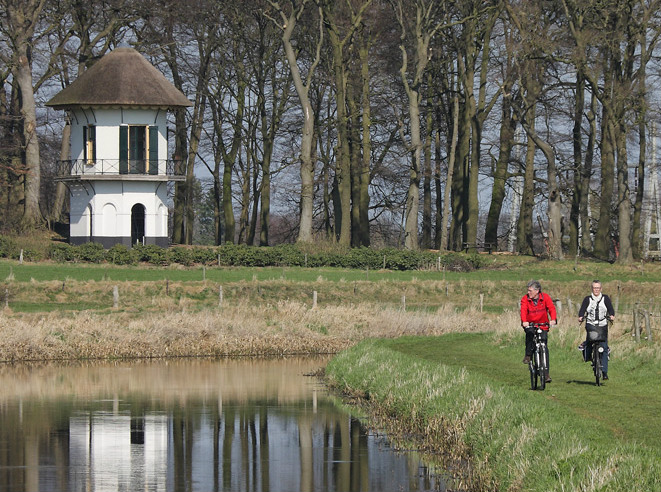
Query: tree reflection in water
[(188, 425)]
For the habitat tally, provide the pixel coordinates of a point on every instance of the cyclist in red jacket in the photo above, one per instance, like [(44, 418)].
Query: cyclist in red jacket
[(536, 307)]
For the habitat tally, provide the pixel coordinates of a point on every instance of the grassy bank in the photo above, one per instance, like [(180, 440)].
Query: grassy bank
[(467, 394)]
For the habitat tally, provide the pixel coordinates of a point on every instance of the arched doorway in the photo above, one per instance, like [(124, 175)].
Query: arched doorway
[(138, 224)]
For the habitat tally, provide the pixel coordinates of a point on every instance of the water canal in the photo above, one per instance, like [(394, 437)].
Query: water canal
[(203, 425)]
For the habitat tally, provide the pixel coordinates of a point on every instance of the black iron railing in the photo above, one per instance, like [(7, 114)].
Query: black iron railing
[(118, 167)]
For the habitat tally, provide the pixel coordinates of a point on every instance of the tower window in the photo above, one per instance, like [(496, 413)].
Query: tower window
[(89, 144)]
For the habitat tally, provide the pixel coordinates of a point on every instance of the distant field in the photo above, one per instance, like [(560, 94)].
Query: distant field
[(495, 288), (497, 268), (208, 309)]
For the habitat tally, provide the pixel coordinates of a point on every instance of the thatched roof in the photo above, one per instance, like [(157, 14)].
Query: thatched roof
[(121, 78)]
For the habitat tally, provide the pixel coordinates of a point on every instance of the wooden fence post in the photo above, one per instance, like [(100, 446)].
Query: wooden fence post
[(636, 323), (403, 302), (220, 296), (558, 304), (6, 297), (314, 299), (648, 326), (481, 302), (617, 298), (115, 297)]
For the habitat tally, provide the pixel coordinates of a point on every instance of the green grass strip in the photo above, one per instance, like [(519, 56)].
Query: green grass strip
[(471, 391)]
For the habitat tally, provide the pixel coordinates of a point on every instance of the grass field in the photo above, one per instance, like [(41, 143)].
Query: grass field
[(469, 393)]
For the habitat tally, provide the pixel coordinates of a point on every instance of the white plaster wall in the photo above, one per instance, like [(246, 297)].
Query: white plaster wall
[(81, 198), (107, 122), (111, 208)]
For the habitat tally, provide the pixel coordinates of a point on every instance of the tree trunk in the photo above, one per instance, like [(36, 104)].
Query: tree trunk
[(196, 132), (602, 235), (577, 138), (637, 229), (460, 181), (524, 237), (427, 175), (265, 197), (554, 205), (413, 194), (61, 189), (507, 130), (217, 203), (302, 90), (31, 212), (586, 227), (623, 197), (343, 156), (366, 122), (356, 160), (451, 166)]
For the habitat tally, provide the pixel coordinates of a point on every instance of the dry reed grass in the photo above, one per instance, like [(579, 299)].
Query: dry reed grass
[(275, 317), (177, 328)]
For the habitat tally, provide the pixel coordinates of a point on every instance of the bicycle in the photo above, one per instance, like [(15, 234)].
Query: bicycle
[(539, 363), (596, 335)]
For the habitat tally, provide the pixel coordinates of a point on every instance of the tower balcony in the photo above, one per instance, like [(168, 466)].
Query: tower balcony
[(120, 169)]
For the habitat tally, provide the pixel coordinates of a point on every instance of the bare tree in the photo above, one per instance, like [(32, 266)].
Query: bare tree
[(21, 20), (288, 19), (419, 22)]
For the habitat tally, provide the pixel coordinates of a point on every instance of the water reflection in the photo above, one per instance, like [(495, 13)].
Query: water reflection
[(188, 425)]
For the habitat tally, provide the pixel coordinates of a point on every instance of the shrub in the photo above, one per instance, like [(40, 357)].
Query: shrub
[(119, 254), (204, 255), (61, 252), (458, 262), (151, 253), (92, 252), (8, 248), (180, 255)]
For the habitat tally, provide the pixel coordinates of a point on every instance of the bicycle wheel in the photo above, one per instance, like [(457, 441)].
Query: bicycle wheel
[(596, 363), (543, 369), (532, 366)]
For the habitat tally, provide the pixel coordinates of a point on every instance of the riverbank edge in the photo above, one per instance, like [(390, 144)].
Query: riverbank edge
[(507, 442)]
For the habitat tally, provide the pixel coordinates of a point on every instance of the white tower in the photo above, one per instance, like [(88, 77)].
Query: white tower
[(119, 169)]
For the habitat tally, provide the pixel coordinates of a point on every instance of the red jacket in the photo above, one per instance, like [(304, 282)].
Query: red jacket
[(537, 313)]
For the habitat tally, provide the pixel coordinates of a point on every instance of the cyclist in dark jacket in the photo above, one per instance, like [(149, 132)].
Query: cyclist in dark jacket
[(596, 310), (536, 307)]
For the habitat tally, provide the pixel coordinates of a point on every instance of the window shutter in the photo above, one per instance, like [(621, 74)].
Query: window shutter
[(85, 156), (153, 150), (123, 149), (93, 140)]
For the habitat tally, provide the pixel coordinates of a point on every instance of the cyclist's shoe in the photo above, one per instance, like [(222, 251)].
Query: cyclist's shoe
[(605, 376), (581, 347), (548, 379), (526, 359)]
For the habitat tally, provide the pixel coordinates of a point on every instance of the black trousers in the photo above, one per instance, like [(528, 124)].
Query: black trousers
[(530, 343)]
